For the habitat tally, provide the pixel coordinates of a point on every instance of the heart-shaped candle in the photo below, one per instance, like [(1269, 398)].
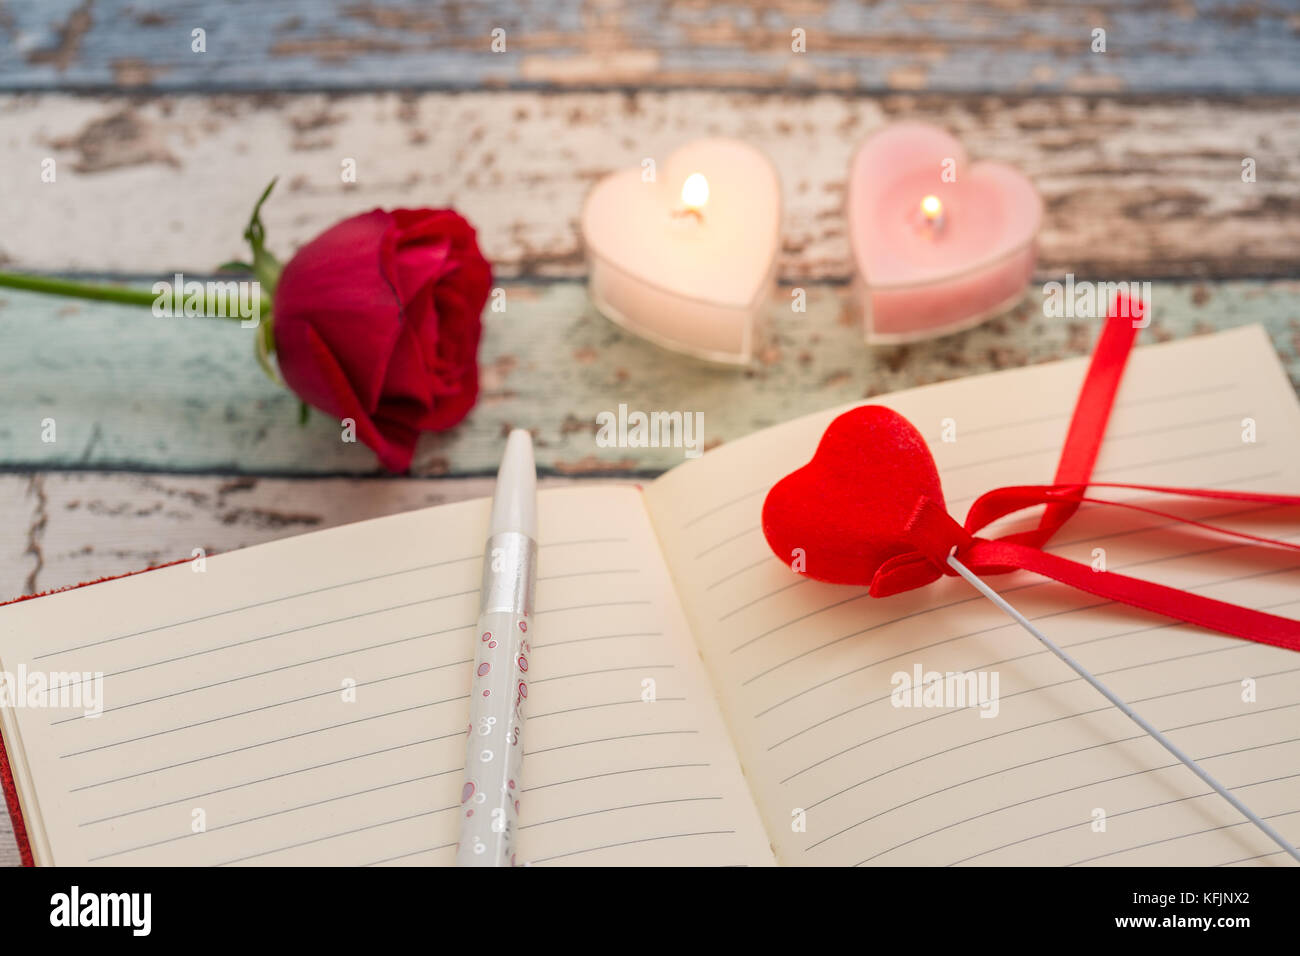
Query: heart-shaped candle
[(685, 255), (940, 244)]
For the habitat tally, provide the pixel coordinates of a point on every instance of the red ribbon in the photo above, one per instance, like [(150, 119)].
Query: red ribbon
[(936, 534)]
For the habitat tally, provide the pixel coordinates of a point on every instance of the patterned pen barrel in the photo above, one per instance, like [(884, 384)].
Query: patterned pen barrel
[(494, 750)]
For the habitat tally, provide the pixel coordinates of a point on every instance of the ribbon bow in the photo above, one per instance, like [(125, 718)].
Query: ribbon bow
[(898, 535)]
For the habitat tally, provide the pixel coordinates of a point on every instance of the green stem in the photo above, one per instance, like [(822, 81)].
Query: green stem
[(212, 305), (77, 290)]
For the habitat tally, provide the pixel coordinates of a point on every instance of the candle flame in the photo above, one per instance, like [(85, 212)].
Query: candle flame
[(931, 208), (695, 191)]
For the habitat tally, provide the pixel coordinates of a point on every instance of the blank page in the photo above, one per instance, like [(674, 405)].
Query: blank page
[(306, 701), (1058, 776)]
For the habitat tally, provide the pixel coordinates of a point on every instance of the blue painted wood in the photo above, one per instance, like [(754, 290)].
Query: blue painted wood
[(1003, 45), (130, 391)]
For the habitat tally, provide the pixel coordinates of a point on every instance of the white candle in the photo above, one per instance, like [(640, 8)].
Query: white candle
[(687, 259)]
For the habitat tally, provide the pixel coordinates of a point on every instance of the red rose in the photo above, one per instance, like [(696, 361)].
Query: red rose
[(377, 319)]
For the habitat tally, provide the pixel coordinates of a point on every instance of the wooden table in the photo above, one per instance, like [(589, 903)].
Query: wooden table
[(169, 437)]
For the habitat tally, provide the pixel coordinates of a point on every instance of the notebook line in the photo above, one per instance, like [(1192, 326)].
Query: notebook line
[(1236, 512), (586, 607), (330, 587), (1041, 760), (867, 630), (906, 653), (1038, 760), (1127, 466), (598, 637), (1044, 796), (997, 627), (987, 630), (614, 773), (1181, 836), (403, 856), (335, 836), (616, 539), (612, 703), (611, 846), (587, 574), (1122, 813), (1119, 406), (770, 594), (1056, 448), (1199, 554), (976, 598), (628, 806), (267, 743), (802, 617), (1248, 859), (1003, 425), (275, 813), (726, 541), (225, 647), (726, 504), (1058, 546), (1045, 759), (1133, 466), (253, 710), (273, 670), (608, 670), (605, 740), (256, 604), (768, 559), (276, 776), (1006, 697)]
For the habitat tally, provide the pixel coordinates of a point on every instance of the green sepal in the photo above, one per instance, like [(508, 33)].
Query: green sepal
[(266, 267)]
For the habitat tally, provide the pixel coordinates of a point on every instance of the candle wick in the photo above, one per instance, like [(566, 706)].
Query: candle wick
[(688, 211)]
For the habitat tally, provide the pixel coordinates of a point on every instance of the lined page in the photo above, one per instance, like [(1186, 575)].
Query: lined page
[(1057, 775), (305, 702)]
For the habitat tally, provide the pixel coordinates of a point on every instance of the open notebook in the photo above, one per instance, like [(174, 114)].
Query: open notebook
[(693, 702)]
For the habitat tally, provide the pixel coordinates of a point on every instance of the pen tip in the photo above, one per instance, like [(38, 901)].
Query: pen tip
[(514, 507)]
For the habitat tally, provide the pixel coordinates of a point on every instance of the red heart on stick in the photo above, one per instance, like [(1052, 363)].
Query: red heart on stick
[(868, 510), (871, 493)]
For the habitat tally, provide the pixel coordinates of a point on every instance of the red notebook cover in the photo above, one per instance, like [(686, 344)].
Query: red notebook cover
[(6, 772)]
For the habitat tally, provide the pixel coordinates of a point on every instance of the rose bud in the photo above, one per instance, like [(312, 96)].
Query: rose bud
[(378, 319)]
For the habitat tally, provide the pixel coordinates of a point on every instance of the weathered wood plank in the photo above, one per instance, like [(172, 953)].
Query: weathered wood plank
[(22, 518), (89, 525), (1010, 45), (130, 391), (1134, 188), (80, 527)]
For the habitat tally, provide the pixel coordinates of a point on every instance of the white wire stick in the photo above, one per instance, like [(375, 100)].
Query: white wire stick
[(1165, 742)]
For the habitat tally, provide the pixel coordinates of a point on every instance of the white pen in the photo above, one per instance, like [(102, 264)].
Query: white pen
[(494, 753)]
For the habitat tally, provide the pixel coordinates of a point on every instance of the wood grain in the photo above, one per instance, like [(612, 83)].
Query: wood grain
[(61, 529), (160, 151), (126, 390), (1008, 45), (1134, 188)]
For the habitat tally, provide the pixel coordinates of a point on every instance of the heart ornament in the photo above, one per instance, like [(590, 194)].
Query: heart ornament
[(689, 267), (939, 243), (869, 496)]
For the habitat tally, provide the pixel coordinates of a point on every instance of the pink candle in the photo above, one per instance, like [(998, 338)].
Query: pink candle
[(940, 244)]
